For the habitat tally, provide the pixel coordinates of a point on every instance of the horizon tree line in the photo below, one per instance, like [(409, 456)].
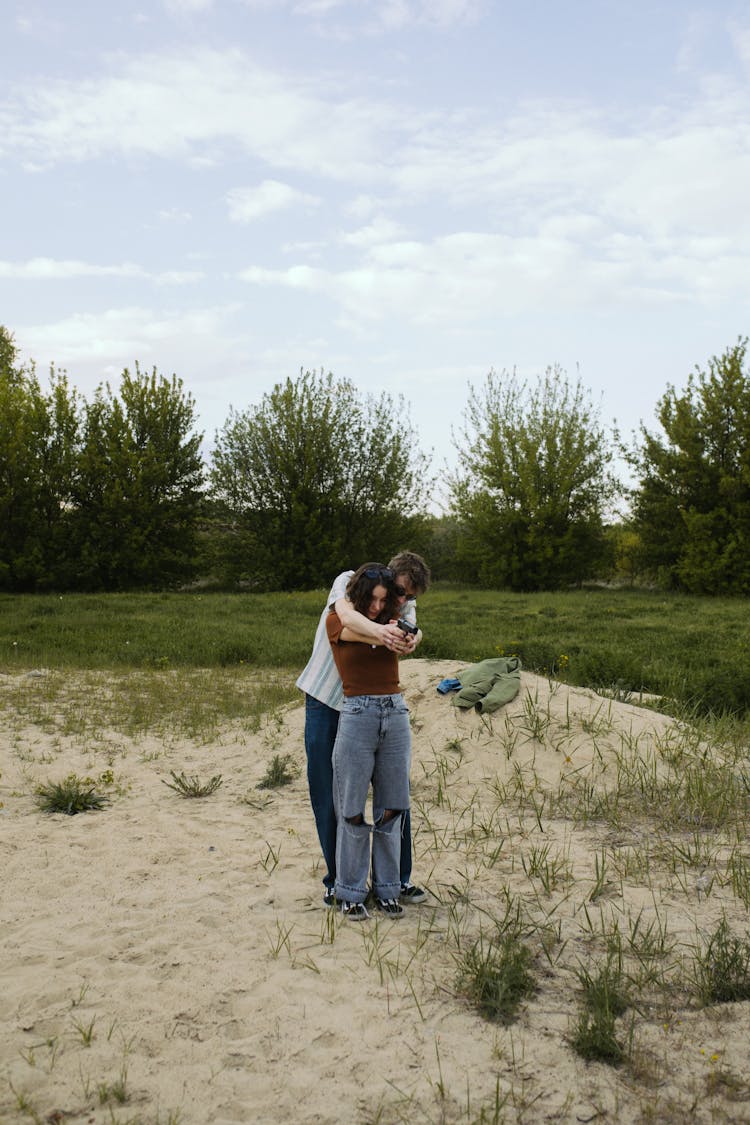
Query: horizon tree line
[(112, 493)]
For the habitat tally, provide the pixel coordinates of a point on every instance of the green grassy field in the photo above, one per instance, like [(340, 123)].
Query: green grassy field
[(695, 651)]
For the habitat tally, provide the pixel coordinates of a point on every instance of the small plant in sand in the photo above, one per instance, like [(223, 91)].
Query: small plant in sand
[(85, 1030), (721, 972), (281, 771), (534, 722), (115, 1091), (193, 786), (604, 998), (495, 975), (70, 796)]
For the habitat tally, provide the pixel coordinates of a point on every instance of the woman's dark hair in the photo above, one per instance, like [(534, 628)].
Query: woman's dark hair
[(363, 582)]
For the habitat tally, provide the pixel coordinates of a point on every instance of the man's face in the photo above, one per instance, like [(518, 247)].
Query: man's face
[(403, 582)]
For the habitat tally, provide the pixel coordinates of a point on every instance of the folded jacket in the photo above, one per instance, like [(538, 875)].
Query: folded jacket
[(489, 684)]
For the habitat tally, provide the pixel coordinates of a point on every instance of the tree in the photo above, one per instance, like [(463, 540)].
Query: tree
[(532, 485), (138, 488), (692, 503), (38, 450), (313, 479)]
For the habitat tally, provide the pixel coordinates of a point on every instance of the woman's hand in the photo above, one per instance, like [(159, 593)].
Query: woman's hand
[(397, 641)]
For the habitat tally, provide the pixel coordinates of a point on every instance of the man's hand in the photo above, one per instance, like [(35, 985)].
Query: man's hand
[(397, 641)]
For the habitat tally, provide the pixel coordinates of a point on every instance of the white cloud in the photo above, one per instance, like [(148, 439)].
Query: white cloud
[(177, 277), (248, 204), (741, 41), (564, 204), (380, 230), (122, 335), (666, 170), (317, 7), (55, 269), (396, 14), (175, 215), (51, 269), (296, 277), (363, 206), (179, 6), (469, 277), (311, 247), (38, 24), (392, 15), (194, 106)]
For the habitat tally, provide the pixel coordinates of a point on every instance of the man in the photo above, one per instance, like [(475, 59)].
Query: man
[(324, 697)]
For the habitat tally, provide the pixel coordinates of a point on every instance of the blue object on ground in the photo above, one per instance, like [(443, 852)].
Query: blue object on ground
[(448, 685)]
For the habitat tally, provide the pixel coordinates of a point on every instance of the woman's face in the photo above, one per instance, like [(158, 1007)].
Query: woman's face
[(378, 598)]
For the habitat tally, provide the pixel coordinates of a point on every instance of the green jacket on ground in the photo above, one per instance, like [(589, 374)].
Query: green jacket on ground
[(489, 684)]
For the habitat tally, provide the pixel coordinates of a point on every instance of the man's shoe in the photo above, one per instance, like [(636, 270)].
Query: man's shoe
[(389, 906), (329, 897), (355, 911), (411, 895)]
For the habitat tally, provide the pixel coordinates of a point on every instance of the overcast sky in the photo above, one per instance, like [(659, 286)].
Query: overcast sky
[(407, 193)]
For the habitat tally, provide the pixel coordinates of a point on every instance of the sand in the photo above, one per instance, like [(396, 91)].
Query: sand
[(170, 960)]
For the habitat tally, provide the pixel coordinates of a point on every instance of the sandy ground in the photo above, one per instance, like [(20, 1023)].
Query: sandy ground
[(171, 960)]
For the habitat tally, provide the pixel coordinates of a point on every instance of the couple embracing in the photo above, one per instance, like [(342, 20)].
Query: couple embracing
[(357, 732)]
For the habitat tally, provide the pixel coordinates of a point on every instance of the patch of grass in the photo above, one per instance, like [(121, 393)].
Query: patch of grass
[(605, 990), (722, 1081), (193, 704), (281, 771), (687, 649), (86, 1031), (193, 786), (604, 999), (594, 1038), (72, 795), (495, 976), (24, 1104), (721, 970), (115, 1091)]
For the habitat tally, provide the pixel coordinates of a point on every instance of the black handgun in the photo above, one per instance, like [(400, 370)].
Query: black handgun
[(405, 627)]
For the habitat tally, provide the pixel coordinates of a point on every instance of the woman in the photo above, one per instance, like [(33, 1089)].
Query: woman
[(373, 743)]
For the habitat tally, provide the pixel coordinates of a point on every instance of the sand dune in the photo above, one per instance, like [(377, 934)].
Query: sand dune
[(187, 939)]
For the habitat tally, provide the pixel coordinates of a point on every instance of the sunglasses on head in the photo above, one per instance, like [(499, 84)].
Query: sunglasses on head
[(388, 575), (379, 572)]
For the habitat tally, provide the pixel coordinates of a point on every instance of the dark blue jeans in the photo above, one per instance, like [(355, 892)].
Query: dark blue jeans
[(321, 726)]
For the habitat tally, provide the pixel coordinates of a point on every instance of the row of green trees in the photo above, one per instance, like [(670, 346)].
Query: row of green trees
[(95, 495), (113, 493)]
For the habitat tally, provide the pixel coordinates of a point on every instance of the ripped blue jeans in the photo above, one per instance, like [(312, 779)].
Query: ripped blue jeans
[(373, 744)]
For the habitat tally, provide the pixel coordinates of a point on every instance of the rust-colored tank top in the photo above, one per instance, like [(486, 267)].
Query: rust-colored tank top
[(364, 669)]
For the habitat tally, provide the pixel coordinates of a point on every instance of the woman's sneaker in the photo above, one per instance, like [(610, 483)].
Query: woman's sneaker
[(329, 897), (389, 906), (412, 895), (356, 911)]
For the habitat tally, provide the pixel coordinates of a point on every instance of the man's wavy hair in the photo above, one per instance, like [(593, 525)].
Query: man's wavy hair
[(363, 582), (411, 566)]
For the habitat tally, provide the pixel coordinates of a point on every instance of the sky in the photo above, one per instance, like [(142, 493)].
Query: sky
[(406, 193)]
